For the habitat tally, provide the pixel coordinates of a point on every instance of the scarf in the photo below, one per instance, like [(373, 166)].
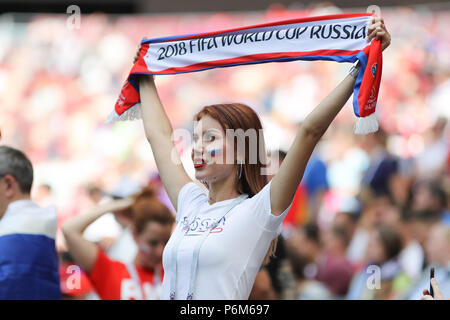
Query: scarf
[(340, 38)]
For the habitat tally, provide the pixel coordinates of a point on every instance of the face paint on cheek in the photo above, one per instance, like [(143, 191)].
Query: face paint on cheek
[(215, 152), (144, 248)]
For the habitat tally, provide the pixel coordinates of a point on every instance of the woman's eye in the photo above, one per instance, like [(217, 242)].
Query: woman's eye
[(210, 138)]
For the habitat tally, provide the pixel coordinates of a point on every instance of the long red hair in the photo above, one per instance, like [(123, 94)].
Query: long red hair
[(240, 116)]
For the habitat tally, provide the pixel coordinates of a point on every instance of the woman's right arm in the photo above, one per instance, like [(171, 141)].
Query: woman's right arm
[(83, 251), (158, 131)]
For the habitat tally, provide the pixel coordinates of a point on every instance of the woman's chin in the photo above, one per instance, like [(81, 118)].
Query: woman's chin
[(205, 174), (212, 172), (201, 176)]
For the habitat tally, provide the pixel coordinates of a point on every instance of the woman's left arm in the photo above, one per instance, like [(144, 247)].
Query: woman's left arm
[(286, 180)]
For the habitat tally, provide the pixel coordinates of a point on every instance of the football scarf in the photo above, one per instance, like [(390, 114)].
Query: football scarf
[(340, 38)]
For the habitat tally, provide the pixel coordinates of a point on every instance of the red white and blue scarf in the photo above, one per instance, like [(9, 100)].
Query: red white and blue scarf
[(340, 38)]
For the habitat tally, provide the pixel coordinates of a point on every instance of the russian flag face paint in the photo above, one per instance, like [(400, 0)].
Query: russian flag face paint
[(215, 152), (144, 248)]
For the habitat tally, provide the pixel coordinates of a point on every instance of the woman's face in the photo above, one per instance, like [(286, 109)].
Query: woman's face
[(151, 242), (209, 154)]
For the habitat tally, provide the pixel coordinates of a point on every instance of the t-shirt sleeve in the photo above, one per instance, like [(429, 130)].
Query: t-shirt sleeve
[(263, 213), (190, 197), (102, 272)]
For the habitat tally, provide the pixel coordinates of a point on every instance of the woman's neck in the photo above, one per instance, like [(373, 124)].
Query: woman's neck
[(222, 190)]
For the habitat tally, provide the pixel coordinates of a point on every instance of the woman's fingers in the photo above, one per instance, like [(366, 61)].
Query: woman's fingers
[(437, 291), (374, 28), (136, 56), (378, 30)]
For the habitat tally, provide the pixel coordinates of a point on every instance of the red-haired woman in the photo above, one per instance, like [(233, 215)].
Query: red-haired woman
[(223, 236)]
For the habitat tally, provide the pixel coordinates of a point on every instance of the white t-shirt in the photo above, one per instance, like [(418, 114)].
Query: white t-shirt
[(231, 255)]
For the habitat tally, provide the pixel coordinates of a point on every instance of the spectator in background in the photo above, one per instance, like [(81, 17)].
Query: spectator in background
[(437, 249), (431, 161), (412, 256), (401, 183), (303, 249), (114, 280), (43, 196), (108, 228), (95, 193), (420, 224), (316, 183), (280, 272), (347, 216), (375, 206), (124, 247), (326, 264), (383, 165), (262, 287), (382, 252), (28, 258), (75, 285), (334, 270), (310, 192), (428, 195)]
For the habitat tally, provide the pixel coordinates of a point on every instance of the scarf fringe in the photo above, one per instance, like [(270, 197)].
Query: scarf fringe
[(130, 114), (366, 125)]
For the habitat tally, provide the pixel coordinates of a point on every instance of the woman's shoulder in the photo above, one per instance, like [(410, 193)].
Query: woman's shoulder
[(190, 190), (191, 195)]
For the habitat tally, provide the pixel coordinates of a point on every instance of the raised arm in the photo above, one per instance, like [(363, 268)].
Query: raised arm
[(83, 251), (286, 180), (158, 131)]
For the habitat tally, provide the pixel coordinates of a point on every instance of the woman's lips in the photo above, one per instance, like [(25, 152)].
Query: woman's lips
[(199, 165)]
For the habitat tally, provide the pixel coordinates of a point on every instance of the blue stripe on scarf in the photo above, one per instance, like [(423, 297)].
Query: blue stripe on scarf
[(363, 60)]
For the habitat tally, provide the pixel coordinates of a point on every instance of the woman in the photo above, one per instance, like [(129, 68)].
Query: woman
[(114, 280), (383, 277), (222, 237)]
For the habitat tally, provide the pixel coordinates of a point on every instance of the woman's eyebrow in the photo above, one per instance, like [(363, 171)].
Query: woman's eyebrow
[(211, 130)]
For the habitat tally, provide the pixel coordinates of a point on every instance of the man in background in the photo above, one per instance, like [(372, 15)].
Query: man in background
[(28, 258)]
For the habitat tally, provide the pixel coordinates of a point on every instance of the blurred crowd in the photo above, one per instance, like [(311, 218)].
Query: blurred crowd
[(372, 213)]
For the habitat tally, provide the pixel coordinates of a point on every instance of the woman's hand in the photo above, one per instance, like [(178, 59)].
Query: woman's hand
[(83, 251), (136, 56), (378, 30), (117, 205), (437, 292)]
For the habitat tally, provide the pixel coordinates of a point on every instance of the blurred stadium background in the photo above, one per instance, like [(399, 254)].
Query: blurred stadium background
[(58, 85)]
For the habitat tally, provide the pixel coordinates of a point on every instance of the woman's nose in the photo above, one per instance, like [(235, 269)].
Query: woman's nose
[(196, 152), (198, 148)]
